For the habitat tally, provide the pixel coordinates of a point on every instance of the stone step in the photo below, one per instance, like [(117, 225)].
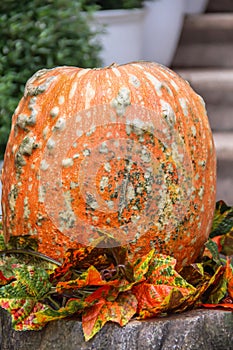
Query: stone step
[(220, 6), (216, 87), (224, 149), (206, 41)]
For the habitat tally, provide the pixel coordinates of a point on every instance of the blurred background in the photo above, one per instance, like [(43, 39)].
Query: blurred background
[(193, 37)]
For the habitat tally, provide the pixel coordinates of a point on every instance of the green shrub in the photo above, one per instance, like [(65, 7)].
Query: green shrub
[(39, 34), (113, 4)]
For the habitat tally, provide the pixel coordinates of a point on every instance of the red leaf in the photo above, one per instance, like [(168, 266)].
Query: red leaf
[(4, 280)]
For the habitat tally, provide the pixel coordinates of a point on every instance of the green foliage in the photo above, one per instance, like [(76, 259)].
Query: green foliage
[(39, 34), (223, 219), (113, 4)]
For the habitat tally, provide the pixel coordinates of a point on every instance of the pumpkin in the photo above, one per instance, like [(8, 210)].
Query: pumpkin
[(114, 156)]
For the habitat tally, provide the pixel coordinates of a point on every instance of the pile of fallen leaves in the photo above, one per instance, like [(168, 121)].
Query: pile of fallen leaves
[(97, 285)]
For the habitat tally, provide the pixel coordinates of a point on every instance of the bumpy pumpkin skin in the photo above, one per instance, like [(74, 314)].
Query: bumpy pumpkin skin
[(135, 135)]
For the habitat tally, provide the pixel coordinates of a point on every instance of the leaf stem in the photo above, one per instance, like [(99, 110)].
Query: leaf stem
[(32, 253)]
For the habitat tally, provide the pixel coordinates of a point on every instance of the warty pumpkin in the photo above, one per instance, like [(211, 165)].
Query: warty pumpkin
[(121, 155)]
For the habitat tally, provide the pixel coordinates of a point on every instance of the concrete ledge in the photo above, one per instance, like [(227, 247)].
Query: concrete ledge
[(195, 330)]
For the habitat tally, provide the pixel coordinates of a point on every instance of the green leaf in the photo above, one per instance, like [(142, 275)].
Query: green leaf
[(162, 272), (21, 296), (30, 283), (217, 286), (141, 266), (213, 248), (73, 306), (2, 241), (223, 219)]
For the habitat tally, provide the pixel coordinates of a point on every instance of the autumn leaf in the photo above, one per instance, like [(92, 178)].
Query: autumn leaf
[(227, 306), (21, 296), (162, 272), (226, 242), (223, 219), (84, 257), (138, 268), (141, 265), (120, 311), (150, 299), (48, 314), (229, 278), (217, 286), (164, 289), (2, 241), (4, 280), (102, 285), (213, 248), (222, 295), (91, 277), (30, 282), (194, 274)]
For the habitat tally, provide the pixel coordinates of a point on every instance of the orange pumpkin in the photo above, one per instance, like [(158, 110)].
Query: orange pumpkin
[(121, 155)]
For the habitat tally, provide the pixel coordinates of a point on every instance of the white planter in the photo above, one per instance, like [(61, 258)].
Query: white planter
[(122, 40), (195, 6), (162, 27)]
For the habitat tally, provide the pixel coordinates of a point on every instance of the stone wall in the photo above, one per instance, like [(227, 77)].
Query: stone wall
[(195, 330)]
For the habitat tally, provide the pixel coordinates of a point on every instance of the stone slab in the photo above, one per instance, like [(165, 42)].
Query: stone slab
[(216, 87), (220, 6), (195, 330), (207, 28), (196, 55)]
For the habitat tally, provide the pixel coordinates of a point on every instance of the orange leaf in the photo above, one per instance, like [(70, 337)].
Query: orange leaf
[(105, 292), (162, 272), (90, 318), (229, 278), (227, 306), (91, 277), (120, 311), (155, 299)]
